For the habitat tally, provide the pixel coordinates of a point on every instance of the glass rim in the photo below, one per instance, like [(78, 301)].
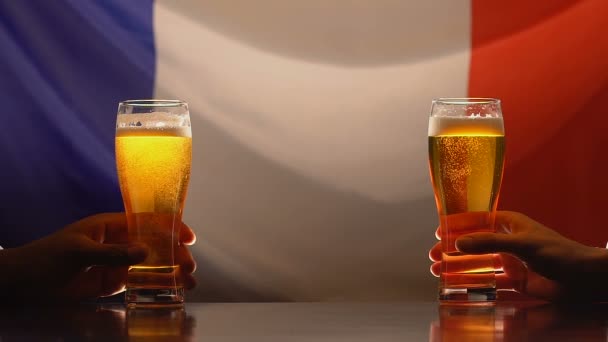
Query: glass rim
[(465, 100), (153, 103)]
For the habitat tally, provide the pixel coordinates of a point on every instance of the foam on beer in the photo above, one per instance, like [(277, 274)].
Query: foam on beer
[(466, 125), (156, 123)]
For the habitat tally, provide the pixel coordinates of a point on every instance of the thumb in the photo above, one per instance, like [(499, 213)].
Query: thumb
[(114, 254), (482, 243)]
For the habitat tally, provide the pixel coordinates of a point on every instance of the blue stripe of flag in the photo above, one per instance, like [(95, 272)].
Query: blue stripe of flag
[(64, 66)]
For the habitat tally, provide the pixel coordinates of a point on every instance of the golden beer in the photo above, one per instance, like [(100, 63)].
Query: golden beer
[(154, 162), (467, 171), (466, 157)]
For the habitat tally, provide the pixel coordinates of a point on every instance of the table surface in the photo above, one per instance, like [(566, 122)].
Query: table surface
[(398, 321)]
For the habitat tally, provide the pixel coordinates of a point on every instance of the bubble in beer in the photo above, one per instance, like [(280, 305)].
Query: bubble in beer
[(469, 125)]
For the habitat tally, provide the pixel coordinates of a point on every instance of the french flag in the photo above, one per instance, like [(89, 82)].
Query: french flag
[(309, 118)]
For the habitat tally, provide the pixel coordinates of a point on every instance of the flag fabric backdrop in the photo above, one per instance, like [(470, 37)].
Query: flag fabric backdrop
[(310, 177)]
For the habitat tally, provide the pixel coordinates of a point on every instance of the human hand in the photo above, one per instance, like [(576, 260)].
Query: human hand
[(86, 259), (553, 268)]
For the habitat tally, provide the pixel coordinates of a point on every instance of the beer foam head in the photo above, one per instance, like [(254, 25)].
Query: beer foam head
[(154, 123), (466, 125)]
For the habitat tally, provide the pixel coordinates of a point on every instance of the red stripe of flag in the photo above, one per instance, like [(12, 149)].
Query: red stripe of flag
[(548, 62)]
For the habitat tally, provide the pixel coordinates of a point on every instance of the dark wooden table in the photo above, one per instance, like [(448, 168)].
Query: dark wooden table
[(399, 321)]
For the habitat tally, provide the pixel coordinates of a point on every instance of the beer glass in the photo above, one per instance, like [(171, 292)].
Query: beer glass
[(153, 158), (466, 157)]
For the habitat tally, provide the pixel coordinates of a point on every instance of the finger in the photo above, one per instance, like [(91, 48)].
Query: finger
[(503, 280), (94, 253), (115, 228), (513, 222), (512, 265), (436, 269), (506, 282), (96, 282), (503, 228), (114, 223), (189, 281), (183, 257), (483, 243), (435, 252), (115, 235), (110, 221), (186, 235), (114, 280), (115, 290), (530, 284), (543, 288), (436, 266), (113, 220), (465, 278), (471, 264), (96, 227)]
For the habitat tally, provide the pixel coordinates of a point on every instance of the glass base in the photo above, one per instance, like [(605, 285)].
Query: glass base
[(155, 297), (476, 296)]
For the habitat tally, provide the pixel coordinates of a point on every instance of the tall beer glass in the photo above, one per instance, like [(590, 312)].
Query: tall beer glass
[(466, 157), (153, 157)]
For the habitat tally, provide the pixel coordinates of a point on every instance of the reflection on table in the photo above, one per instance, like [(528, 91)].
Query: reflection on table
[(520, 322), (95, 323), (398, 321)]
